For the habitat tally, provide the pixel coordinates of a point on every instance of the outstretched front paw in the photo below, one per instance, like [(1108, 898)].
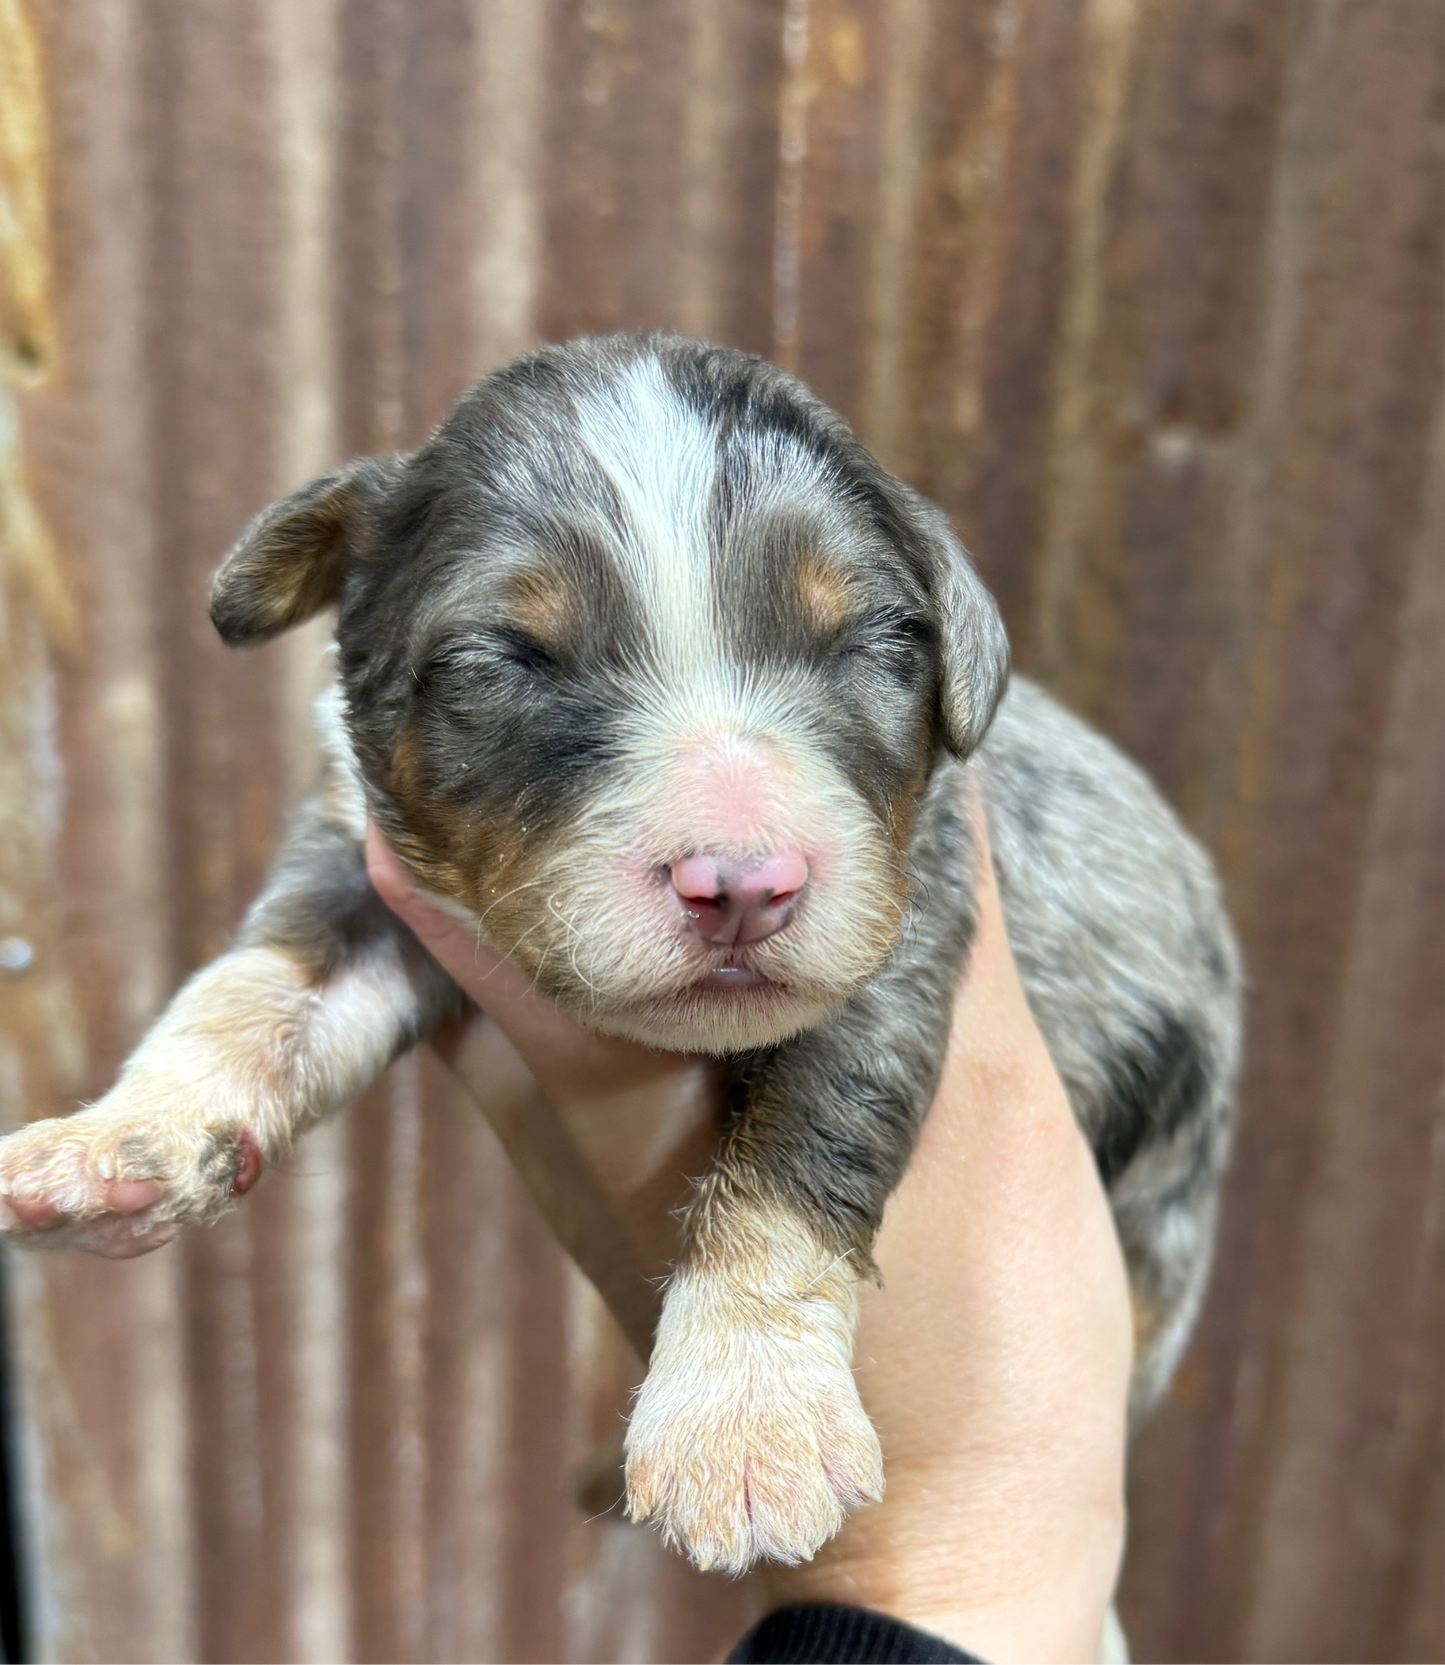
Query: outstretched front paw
[(748, 1440), (119, 1179)]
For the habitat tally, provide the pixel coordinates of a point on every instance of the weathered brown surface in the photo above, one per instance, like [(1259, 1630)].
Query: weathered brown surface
[(1148, 294)]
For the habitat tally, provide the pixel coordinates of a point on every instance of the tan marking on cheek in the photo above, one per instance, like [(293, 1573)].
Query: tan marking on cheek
[(486, 863), (825, 596), (901, 812)]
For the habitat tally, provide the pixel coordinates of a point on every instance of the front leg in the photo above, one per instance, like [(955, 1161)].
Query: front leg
[(323, 988), (748, 1438)]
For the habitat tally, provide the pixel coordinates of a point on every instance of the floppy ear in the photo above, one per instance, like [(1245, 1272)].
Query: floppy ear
[(290, 561), (975, 644)]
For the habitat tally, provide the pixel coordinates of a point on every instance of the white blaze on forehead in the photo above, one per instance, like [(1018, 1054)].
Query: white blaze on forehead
[(660, 456)]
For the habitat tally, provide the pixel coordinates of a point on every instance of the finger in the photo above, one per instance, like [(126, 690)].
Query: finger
[(456, 948), (452, 1036), (491, 981)]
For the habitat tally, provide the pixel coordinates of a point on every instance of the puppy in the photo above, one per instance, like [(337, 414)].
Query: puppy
[(650, 672)]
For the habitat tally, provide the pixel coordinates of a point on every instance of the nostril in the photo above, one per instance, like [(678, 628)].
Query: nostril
[(773, 881), (697, 879)]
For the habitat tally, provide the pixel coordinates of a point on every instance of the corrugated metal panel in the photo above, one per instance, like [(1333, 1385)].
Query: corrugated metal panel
[(1148, 294)]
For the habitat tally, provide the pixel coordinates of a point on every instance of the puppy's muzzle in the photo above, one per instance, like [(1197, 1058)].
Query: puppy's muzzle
[(734, 904)]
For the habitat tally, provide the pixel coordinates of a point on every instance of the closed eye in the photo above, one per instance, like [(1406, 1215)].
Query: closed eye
[(884, 633), (480, 653), (522, 649)]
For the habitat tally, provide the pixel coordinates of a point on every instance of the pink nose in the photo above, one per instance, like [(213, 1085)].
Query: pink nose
[(733, 903)]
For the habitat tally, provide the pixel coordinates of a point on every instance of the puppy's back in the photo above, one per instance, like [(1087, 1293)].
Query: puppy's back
[(1131, 968)]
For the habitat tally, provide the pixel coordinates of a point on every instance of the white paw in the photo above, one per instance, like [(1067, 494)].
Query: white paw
[(119, 1179), (748, 1440)]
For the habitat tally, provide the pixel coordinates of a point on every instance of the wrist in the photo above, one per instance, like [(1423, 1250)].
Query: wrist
[(1003, 1583)]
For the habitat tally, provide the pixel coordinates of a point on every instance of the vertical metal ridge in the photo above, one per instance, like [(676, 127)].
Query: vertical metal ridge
[(1109, 45), (892, 259), (1380, 1108), (403, 1372), (506, 123), (467, 1191), (710, 69), (788, 197), (319, 1607)]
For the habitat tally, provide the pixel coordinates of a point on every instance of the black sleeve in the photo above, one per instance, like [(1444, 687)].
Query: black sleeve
[(824, 1634)]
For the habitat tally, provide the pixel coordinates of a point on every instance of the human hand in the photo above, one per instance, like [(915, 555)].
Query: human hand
[(994, 1360)]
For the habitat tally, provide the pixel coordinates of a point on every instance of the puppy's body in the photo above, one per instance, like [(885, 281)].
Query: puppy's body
[(650, 670)]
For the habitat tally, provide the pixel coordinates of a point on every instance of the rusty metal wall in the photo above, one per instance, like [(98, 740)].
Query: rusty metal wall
[(1147, 293)]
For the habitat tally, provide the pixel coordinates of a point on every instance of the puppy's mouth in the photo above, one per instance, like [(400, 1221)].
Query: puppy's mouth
[(734, 987), (722, 1002), (735, 978), (738, 974)]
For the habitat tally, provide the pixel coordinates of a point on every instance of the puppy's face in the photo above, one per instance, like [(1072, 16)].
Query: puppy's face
[(647, 663)]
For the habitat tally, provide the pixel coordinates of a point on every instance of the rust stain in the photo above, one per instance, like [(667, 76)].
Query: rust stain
[(30, 560), (27, 322), (978, 190), (29, 557), (847, 50)]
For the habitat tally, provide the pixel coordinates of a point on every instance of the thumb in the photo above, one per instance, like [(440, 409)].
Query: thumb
[(458, 949)]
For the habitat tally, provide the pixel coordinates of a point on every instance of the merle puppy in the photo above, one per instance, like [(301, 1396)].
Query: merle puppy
[(651, 672)]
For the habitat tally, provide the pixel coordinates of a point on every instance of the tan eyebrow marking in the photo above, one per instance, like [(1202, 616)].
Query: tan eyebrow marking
[(825, 594), (546, 605)]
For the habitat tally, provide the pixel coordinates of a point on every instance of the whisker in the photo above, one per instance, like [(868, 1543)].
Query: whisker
[(573, 934), (526, 884), (836, 1261)]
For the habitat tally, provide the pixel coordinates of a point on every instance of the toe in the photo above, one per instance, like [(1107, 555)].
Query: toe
[(131, 1196), (33, 1210)]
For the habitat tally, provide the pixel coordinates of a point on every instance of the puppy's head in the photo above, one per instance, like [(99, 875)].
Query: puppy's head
[(647, 663)]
